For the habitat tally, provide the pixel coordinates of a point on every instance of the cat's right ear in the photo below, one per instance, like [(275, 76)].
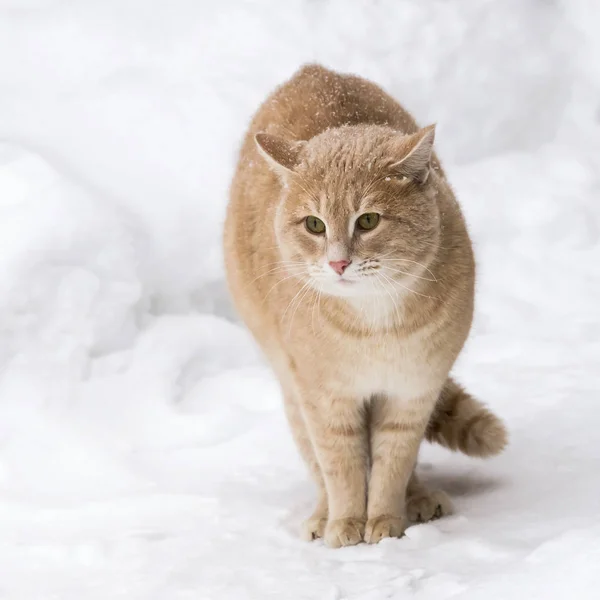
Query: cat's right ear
[(281, 155)]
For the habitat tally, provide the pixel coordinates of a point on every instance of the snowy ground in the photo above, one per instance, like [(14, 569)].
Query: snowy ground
[(143, 450)]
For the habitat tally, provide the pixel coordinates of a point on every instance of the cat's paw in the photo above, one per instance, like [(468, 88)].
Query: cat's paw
[(313, 528), (344, 532), (429, 506), (383, 527)]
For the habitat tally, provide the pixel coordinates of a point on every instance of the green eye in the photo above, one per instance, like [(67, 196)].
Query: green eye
[(367, 221), (315, 225)]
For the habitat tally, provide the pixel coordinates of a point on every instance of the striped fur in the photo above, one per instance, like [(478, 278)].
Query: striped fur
[(462, 423)]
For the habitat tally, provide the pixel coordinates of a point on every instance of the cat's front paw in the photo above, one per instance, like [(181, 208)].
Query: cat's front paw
[(427, 507), (384, 526), (313, 528), (344, 532)]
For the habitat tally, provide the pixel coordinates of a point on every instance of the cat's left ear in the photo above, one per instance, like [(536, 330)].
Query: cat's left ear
[(281, 155), (417, 149)]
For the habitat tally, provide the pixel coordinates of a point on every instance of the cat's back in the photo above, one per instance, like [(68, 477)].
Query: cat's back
[(315, 99)]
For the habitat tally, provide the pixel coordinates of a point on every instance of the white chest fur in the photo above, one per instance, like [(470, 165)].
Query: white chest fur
[(399, 368), (402, 368)]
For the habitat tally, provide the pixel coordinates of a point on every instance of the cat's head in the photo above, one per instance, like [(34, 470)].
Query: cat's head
[(358, 214)]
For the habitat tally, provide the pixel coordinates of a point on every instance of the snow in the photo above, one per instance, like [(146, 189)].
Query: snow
[(144, 453)]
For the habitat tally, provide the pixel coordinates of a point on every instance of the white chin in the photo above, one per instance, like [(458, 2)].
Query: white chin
[(342, 289)]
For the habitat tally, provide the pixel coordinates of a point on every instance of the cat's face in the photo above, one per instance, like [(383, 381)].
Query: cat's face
[(358, 216)]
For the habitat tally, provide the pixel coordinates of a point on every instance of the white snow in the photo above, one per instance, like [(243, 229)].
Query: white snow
[(143, 449)]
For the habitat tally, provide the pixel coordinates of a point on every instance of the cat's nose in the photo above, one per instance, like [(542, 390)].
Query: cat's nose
[(339, 266)]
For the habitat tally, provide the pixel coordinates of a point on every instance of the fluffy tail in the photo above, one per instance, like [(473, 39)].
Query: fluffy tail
[(460, 422)]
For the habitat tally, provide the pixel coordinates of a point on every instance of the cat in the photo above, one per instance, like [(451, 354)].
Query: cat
[(349, 260)]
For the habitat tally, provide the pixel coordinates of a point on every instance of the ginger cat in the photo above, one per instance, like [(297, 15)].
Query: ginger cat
[(348, 258)]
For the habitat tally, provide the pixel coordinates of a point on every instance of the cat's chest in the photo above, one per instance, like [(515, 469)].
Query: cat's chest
[(383, 364)]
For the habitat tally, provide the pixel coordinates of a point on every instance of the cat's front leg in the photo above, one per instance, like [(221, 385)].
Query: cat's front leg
[(314, 526), (397, 429), (338, 431)]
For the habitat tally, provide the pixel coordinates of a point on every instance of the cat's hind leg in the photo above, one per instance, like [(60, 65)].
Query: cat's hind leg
[(423, 504)]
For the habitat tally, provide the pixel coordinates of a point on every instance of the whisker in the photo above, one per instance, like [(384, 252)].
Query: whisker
[(413, 291), (435, 245), (380, 309), (394, 303), (358, 314), (411, 274), (306, 289), (277, 268), (304, 286), (286, 262), (407, 260), (317, 298), (319, 303), (278, 283)]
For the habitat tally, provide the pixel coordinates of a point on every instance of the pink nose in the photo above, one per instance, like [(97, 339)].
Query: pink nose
[(339, 266)]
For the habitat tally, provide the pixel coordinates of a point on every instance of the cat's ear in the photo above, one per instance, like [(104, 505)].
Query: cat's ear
[(281, 155), (417, 150)]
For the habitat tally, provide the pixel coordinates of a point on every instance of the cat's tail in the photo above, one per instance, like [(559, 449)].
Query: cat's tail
[(460, 422)]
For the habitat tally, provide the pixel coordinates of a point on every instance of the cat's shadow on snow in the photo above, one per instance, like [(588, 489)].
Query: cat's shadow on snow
[(460, 485)]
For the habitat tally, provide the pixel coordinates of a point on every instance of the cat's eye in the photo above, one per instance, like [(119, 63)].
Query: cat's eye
[(367, 221), (315, 225)]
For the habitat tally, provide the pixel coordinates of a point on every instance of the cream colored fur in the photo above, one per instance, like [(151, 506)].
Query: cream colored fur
[(364, 357)]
